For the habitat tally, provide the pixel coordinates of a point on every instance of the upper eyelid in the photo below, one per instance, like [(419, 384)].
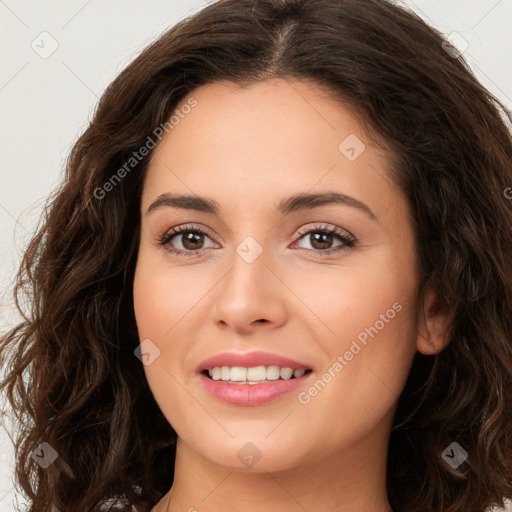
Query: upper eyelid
[(331, 228), (177, 230), (174, 232), (180, 229)]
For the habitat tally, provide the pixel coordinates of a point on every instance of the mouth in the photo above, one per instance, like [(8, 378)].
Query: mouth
[(254, 374), (253, 385), (252, 378)]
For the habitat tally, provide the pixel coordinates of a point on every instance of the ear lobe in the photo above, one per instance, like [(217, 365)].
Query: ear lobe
[(434, 324)]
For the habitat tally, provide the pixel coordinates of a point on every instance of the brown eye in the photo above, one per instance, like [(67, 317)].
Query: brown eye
[(186, 241), (326, 240), (192, 241), (321, 240)]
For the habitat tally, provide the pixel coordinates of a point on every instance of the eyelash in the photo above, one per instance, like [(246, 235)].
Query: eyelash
[(348, 241)]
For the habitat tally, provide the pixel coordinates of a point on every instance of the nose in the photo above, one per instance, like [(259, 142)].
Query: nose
[(250, 297)]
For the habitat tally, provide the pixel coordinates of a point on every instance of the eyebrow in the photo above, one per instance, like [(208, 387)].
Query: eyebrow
[(288, 205)]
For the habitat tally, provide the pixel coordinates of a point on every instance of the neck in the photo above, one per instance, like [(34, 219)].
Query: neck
[(351, 480)]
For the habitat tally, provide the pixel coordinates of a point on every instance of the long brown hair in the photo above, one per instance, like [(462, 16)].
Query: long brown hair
[(85, 393)]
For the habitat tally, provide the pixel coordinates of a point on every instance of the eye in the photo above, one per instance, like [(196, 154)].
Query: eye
[(322, 239), (190, 238)]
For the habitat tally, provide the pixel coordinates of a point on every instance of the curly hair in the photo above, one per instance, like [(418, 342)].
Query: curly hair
[(71, 376)]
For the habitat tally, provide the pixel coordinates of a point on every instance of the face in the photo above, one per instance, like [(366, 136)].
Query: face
[(252, 278)]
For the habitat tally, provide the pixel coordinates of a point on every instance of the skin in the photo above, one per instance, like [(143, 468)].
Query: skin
[(248, 148)]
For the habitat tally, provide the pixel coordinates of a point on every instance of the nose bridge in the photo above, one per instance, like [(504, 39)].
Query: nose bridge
[(248, 292), (249, 274)]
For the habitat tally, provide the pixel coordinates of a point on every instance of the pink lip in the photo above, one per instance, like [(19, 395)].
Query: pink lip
[(250, 359), (251, 394)]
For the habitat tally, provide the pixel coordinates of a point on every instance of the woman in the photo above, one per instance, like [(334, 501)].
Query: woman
[(277, 276)]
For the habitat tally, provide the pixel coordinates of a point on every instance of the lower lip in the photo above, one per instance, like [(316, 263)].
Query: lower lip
[(252, 394)]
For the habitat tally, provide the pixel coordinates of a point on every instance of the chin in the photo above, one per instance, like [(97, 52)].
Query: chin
[(254, 453)]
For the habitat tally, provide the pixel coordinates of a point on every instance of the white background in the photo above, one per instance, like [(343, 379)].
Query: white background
[(46, 103)]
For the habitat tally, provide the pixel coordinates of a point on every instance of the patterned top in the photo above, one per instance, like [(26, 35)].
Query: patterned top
[(120, 503)]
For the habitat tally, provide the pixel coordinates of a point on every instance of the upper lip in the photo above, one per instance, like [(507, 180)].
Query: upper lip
[(250, 359)]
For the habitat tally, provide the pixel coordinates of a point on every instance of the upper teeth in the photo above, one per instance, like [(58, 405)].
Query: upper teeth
[(253, 374)]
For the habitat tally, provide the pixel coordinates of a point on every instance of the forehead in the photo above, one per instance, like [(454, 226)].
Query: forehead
[(276, 115), (257, 144)]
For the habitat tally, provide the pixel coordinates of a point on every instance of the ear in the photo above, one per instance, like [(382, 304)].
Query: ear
[(434, 324)]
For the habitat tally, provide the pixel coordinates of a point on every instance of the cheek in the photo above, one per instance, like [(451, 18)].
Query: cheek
[(167, 304), (160, 302), (162, 296), (367, 331), (348, 300)]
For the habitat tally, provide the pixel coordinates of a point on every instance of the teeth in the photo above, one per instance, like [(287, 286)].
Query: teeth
[(253, 375), (256, 373), (286, 373), (225, 372), (273, 373), (238, 373)]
